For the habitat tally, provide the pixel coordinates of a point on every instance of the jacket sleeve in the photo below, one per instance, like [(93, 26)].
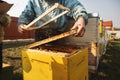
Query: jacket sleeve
[(76, 9), (27, 15)]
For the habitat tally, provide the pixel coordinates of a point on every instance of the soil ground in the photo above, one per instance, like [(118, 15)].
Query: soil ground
[(109, 67)]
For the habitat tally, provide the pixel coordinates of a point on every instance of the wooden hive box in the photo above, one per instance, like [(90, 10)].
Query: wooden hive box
[(55, 63)]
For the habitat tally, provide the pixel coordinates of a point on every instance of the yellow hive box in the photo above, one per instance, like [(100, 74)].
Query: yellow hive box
[(49, 63)]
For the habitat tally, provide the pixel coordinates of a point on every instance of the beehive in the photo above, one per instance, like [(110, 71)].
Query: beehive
[(55, 63), (91, 39)]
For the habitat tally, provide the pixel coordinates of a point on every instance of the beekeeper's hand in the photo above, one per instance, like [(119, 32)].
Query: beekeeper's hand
[(22, 28), (80, 26)]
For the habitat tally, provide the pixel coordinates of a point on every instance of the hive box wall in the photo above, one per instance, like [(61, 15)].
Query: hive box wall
[(49, 65)]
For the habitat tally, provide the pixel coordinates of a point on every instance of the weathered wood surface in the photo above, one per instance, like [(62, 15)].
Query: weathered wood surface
[(62, 35), (55, 6)]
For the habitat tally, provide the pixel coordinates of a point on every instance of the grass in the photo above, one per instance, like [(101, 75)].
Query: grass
[(109, 67)]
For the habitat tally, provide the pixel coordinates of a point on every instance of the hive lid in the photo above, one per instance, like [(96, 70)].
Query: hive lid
[(4, 6)]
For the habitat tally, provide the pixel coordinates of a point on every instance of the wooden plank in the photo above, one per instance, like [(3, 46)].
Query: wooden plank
[(55, 6), (65, 34)]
